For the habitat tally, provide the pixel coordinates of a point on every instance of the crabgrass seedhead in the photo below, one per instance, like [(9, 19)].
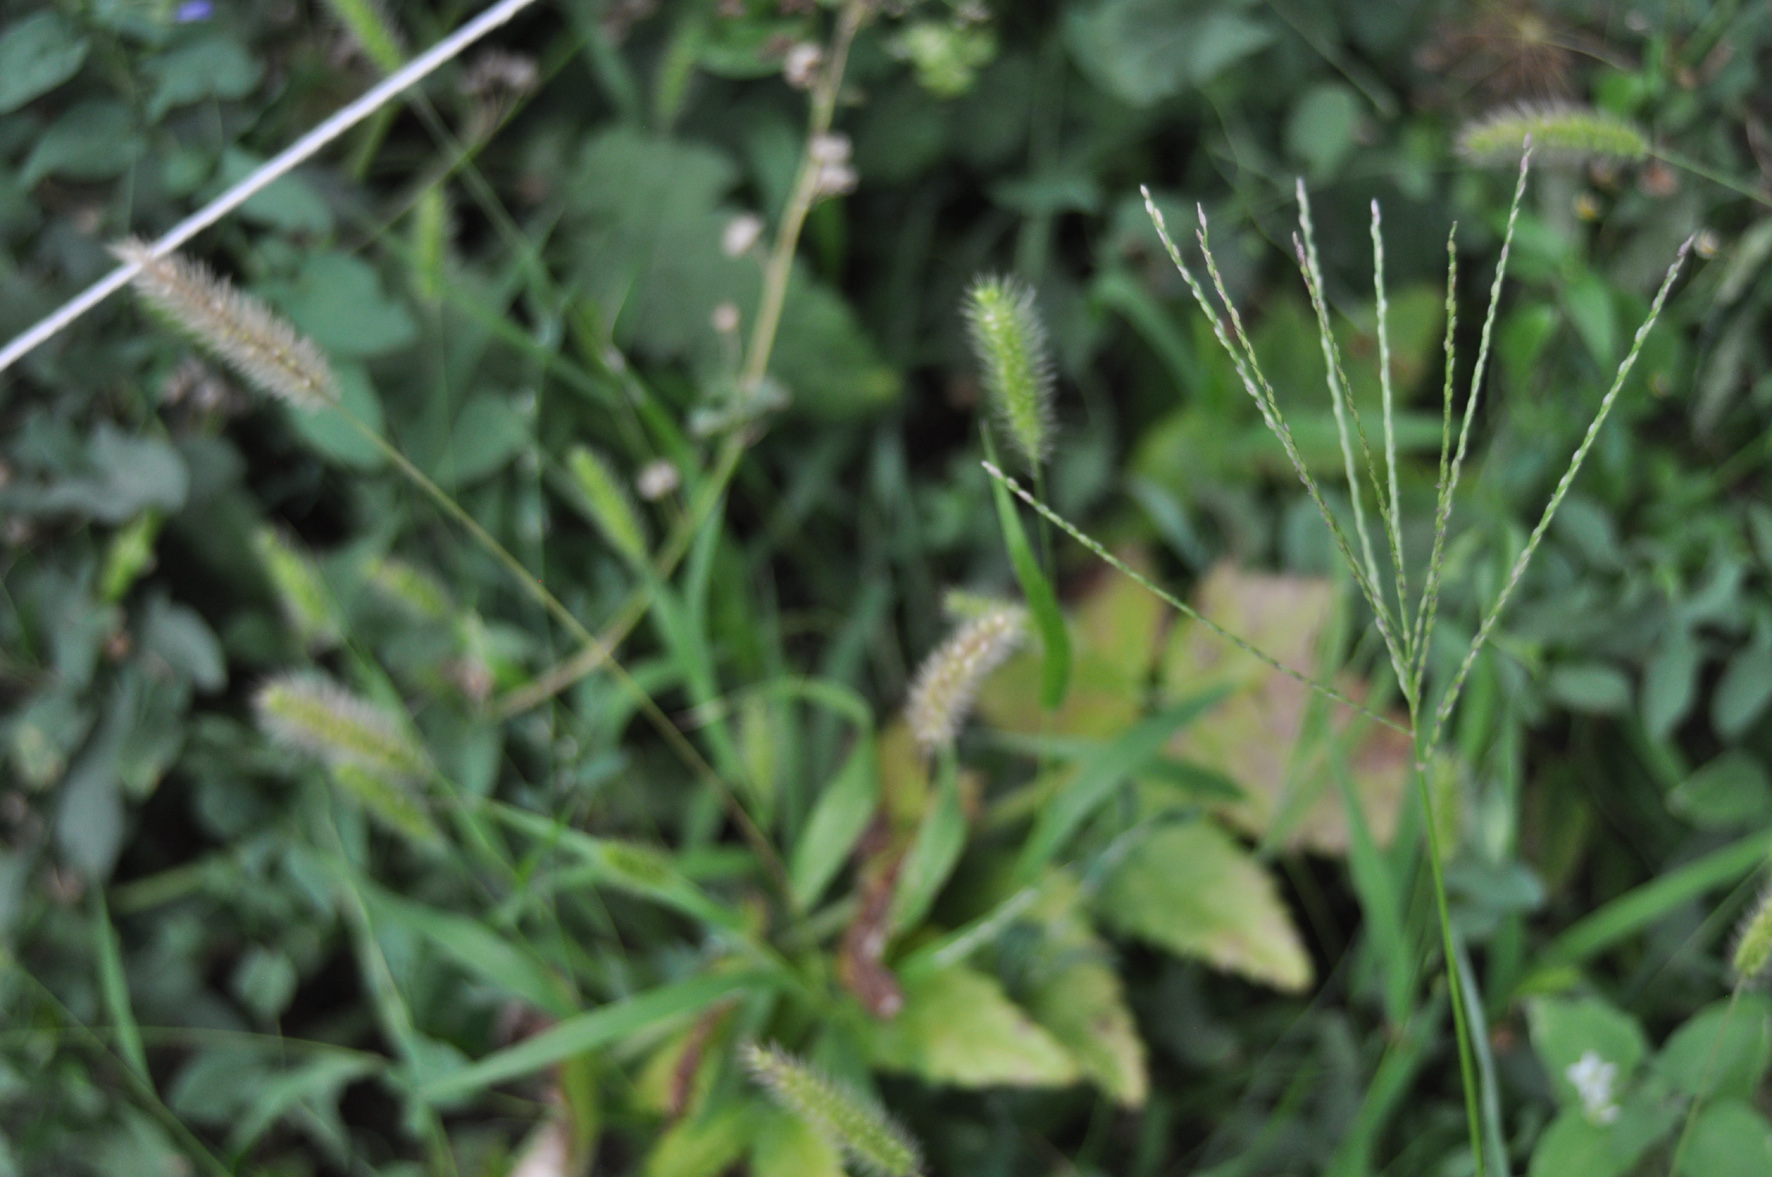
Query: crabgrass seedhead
[(947, 683), (1556, 131), (1753, 943), (1010, 342), (236, 328), (313, 714), (852, 1122)]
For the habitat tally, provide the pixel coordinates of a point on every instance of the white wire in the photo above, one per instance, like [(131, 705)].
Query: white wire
[(271, 171)]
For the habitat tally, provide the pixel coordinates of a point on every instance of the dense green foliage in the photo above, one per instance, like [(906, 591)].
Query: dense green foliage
[(332, 843)]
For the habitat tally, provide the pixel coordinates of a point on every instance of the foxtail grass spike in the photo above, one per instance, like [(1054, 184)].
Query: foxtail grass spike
[(313, 714), (1450, 698), (947, 683), (855, 1124), (1010, 342), (1753, 943), (302, 596), (1338, 393), (412, 587), (606, 500), (1556, 130), (373, 30), (236, 328)]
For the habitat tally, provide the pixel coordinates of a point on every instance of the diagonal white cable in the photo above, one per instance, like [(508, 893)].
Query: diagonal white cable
[(270, 172)]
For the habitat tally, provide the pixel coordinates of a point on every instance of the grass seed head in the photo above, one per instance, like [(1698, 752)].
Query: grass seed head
[(1753, 943), (849, 1120), (236, 328), (1010, 342), (1555, 130), (313, 714), (948, 681)]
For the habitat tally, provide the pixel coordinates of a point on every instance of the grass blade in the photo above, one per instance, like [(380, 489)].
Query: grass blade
[(114, 986), (1055, 666)]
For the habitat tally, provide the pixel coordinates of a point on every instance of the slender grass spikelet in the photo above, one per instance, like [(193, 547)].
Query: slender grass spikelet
[(606, 501), (313, 714), (1557, 131), (302, 595), (1753, 943), (412, 587), (847, 1119), (948, 681), (236, 328), (1010, 342)]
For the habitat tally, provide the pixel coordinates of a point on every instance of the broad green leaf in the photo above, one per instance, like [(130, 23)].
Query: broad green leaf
[(289, 203), (332, 434), (477, 948), (1575, 1146), (338, 300), (37, 54), (1191, 889), (1142, 51), (1721, 1051), (957, 1027), (703, 1146), (93, 140), (1670, 681), (785, 1146), (1730, 1139), (1591, 687), (1745, 688), (1055, 665), (1573, 1035), (1076, 995), (215, 66), (1320, 130), (842, 813), (1730, 792), (488, 433)]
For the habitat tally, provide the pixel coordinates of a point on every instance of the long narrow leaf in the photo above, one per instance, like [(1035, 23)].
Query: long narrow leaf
[(1055, 668)]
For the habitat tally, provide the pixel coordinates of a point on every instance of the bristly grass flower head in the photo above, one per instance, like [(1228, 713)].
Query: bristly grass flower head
[(1753, 943), (1557, 131), (948, 681), (848, 1120), (313, 714), (236, 328), (1010, 342)]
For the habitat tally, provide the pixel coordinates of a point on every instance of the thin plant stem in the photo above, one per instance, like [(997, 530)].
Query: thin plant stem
[(1337, 393), (1450, 698), (805, 191), (266, 174), (1177, 603)]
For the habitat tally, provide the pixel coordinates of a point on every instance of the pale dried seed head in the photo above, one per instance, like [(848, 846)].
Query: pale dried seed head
[(947, 683), (236, 328)]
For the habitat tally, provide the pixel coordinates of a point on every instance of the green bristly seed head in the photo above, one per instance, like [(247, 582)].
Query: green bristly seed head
[(315, 715), (606, 501), (853, 1123), (1556, 132), (1010, 342), (306, 603), (1753, 944)]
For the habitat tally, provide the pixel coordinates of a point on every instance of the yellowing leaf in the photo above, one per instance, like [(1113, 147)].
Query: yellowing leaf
[(958, 1027), (1192, 890), (1077, 996), (1258, 737)]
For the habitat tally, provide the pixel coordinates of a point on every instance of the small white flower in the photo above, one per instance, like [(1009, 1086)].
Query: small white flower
[(835, 179), (741, 233), (657, 479), (725, 318), (800, 66), (832, 147), (1594, 1079)]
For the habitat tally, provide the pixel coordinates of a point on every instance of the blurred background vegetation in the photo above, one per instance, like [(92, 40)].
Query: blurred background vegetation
[(537, 277)]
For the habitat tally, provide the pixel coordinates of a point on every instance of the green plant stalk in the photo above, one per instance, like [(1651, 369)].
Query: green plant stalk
[(805, 191), (1450, 698)]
